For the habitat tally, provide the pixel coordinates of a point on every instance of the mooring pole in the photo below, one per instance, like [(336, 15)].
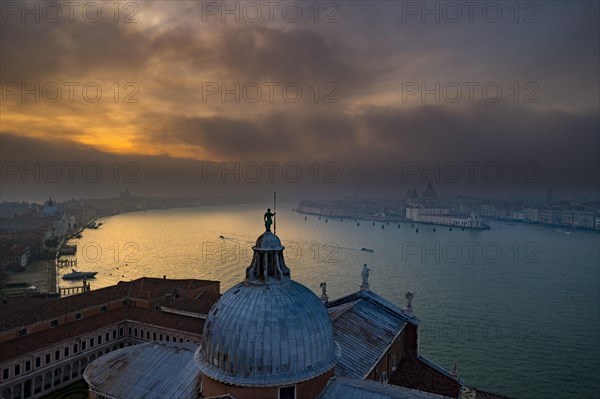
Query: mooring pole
[(274, 212)]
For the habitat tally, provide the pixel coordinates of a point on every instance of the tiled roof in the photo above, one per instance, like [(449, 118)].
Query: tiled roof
[(345, 388), (13, 314), (364, 327), (145, 371)]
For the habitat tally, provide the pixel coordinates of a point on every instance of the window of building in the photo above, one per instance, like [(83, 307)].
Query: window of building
[(57, 355), (161, 337), (99, 339), (91, 342), (106, 337), (47, 358), (114, 334), (28, 365), (287, 392), (75, 348), (120, 331), (167, 338), (54, 323), (135, 332), (129, 331), (103, 308), (5, 374), (174, 339), (77, 316), (83, 345), (66, 351), (154, 336), (22, 332), (17, 369), (38, 362)]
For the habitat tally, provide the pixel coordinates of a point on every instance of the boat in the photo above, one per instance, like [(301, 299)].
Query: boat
[(366, 249), (222, 237), (434, 229), (76, 275), (417, 230)]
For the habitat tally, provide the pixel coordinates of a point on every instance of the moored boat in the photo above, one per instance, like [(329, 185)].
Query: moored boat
[(77, 275)]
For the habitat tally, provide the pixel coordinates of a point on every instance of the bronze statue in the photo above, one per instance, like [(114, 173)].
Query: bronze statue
[(269, 219)]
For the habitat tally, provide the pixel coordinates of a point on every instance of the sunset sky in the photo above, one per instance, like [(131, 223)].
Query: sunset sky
[(360, 65)]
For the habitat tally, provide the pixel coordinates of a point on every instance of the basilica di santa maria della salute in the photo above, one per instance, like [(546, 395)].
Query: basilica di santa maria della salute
[(270, 337)]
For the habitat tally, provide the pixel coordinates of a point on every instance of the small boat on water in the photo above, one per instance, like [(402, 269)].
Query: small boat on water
[(221, 237), (76, 275), (366, 249)]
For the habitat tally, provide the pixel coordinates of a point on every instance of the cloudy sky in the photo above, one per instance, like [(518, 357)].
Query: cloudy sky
[(311, 99)]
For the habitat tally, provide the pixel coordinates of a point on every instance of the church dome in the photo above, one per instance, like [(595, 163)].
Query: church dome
[(429, 192), (267, 330)]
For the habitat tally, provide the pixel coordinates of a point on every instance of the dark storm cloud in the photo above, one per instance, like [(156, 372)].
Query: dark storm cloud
[(369, 133), (310, 135)]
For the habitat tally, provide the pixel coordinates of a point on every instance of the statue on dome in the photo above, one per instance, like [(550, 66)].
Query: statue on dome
[(269, 219)]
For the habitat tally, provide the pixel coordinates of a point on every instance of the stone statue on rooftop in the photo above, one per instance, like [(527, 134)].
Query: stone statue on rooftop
[(365, 274), (365, 278), (409, 296), (408, 308), (269, 219), (324, 298)]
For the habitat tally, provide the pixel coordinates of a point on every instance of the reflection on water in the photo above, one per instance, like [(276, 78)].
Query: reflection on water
[(517, 306)]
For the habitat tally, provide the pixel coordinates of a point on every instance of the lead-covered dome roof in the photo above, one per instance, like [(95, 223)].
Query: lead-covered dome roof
[(267, 330)]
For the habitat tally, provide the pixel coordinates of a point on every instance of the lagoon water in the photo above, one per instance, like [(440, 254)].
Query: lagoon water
[(517, 307)]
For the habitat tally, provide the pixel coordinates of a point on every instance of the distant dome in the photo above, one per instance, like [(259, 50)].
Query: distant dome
[(429, 192), (268, 330)]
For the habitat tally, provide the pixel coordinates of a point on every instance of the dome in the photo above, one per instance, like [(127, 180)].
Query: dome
[(268, 242), (265, 335), (429, 192), (267, 330)]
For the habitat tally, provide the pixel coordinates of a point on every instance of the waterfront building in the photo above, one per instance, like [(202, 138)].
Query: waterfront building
[(429, 209)]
